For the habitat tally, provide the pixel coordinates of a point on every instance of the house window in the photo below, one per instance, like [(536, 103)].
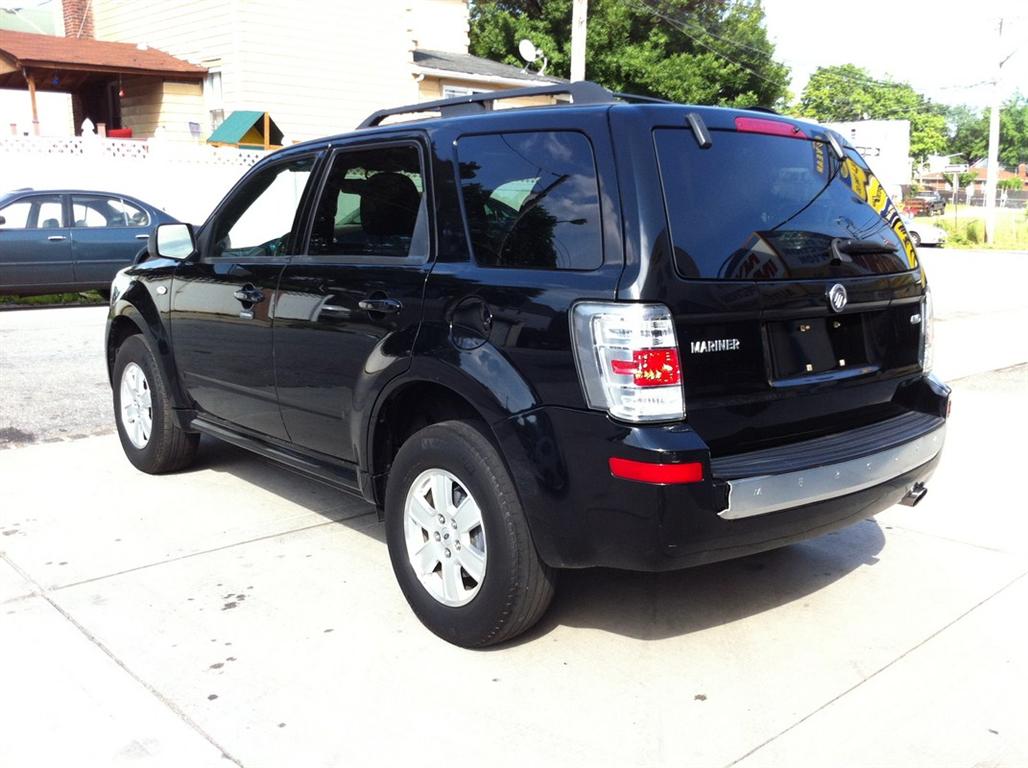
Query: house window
[(453, 91), (214, 98)]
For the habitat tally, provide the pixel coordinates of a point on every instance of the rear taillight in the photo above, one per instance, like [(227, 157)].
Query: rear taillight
[(927, 332), (628, 360)]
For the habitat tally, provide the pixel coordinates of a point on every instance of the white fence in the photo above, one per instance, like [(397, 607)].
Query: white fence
[(186, 180)]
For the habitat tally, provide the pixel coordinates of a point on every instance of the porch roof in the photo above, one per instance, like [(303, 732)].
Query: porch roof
[(62, 63)]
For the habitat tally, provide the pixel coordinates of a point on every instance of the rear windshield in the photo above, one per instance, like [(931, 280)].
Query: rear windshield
[(760, 207)]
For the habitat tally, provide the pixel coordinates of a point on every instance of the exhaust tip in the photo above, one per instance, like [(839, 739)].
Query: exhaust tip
[(914, 495)]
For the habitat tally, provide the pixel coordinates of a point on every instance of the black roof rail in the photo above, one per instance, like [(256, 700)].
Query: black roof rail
[(765, 110), (633, 97), (582, 92)]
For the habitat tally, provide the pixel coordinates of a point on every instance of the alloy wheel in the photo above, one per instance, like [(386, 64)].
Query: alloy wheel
[(445, 537)]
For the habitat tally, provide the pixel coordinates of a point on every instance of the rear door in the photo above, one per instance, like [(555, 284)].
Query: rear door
[(107, 234), (223, 300), (350, 306), (35, 245), (795, 287)]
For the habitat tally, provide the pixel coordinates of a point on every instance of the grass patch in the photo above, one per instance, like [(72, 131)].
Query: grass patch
[(966, 227), (71, 299)]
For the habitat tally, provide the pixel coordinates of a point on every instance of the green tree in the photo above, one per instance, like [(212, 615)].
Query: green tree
[(695, 51), (1013, 131), (848, 92), (968, 133)]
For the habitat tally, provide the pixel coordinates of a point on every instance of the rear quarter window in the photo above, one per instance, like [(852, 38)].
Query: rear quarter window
[(531, 200)]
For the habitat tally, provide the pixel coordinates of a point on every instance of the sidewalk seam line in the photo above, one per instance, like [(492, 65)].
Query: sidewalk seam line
[(878, 671), (951, 540), (121, 665), (205, 552)]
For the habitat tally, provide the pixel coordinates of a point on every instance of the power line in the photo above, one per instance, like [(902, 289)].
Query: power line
[(681, 28), (680, 24)]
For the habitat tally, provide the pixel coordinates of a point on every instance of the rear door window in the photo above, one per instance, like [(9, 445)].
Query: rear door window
[(373, 204), (104, 211), (531, 200), (761, 207)]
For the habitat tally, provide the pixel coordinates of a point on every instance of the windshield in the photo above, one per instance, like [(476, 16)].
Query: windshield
[(760, 207)]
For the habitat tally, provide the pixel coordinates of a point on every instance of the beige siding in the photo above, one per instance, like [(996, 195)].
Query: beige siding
[(318, 67), (150, 105), (440, 25)]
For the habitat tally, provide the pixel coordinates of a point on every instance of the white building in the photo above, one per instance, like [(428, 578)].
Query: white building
[(885, 145)]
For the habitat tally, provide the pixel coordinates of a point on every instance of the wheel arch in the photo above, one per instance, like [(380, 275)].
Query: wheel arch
[(134, 313)]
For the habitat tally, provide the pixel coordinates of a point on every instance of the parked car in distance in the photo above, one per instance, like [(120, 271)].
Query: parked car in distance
[(59, 240), (923, 233), (533, 352), (925, 204)]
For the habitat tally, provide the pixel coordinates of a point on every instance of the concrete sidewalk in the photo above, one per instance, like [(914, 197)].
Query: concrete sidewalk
[(239, 613)]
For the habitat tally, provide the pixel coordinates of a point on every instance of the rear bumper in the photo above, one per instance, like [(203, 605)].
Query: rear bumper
[(819, 481), (581, 516)]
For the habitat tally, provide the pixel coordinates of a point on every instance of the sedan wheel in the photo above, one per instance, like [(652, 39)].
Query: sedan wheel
[(136, 405), (915, 239)]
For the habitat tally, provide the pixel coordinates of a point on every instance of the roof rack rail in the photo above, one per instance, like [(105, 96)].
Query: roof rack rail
[(634, 97), (582, 92)]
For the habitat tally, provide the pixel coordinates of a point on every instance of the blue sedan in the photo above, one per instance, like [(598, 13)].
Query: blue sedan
[(53, 241)]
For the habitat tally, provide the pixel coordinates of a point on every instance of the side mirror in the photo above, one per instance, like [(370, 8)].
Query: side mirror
[(172, 241)]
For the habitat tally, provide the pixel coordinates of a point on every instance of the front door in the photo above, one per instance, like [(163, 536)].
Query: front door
[(350, 307), (223, 300), (35, 245)]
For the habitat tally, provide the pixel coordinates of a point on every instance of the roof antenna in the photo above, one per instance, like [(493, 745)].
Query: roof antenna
[(531, 54)]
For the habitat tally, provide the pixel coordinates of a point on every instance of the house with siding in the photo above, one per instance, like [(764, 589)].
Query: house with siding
[(317, 68)]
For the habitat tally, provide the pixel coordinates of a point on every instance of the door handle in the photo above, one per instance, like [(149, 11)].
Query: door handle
[(142, 237), (381, 306), (56, 238), (248, 294)]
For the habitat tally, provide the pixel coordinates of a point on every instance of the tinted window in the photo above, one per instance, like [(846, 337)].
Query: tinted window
[(259, 219), (759, 207), (102, 211), (373, 204), (37, 212), (531, 200)]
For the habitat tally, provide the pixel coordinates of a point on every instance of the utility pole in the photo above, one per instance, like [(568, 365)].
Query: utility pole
[(578, 27), (993, 162)]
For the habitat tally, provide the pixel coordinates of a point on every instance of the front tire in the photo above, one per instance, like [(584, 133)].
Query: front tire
[(459, 541), (150, 437), (915, 239)]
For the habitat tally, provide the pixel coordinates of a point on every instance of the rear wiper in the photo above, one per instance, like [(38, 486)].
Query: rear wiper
[(843, 247)]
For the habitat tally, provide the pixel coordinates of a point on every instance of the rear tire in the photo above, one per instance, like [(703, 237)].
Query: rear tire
[(150, 436), (505, 588)]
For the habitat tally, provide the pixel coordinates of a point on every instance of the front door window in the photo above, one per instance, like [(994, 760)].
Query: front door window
[(260, 220)]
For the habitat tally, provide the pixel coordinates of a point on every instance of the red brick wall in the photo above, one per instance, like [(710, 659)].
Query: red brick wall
[(78, 18)]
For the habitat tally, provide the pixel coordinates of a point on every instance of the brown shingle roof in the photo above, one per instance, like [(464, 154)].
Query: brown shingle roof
[(25, 49)]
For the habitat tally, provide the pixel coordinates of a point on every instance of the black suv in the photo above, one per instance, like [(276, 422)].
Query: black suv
[(597, 333)]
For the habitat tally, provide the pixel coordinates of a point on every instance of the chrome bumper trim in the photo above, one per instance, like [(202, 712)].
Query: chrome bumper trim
[(749, 496)]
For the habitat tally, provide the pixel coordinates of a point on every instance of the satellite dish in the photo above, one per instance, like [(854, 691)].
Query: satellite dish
[(528, 50)]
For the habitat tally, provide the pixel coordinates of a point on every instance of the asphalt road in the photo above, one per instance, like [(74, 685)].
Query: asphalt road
[(236, 613), (53, 379)]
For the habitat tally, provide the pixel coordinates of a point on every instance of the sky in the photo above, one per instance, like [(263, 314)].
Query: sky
[(943, 48)]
